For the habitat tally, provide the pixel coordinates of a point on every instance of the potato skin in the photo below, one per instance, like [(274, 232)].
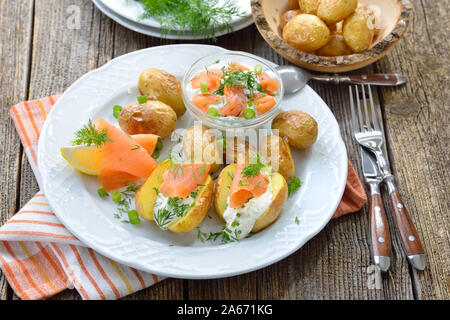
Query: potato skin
[(288, 15), (160, 85), (279, 196), (210, 152), (333, 11), (236, 150), (197, 213), (306, 32), (336, 46), (283, 164), (358, 33), (293, 4), (298, 127), (146, 197), (309, 6), (153, 117)]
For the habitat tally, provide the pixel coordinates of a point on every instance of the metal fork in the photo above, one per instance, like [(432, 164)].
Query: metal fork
[(368, 133)]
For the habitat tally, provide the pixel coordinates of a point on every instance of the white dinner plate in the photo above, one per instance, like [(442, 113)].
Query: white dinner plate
[(73, 196), (151, 27)]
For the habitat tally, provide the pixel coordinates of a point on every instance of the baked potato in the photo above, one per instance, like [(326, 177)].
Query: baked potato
[(298, 127), (333, 11), (306, 32), (160, 85), (277, 153), (279, 196), (288, 15), (150, 117), (358, 32), (146, 197), (237, 150), (309, 6), (336, 46), (199, 139)]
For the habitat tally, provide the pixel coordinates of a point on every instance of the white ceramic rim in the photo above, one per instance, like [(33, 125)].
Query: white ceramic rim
[(155, 24), (156, 32), (338, 192)]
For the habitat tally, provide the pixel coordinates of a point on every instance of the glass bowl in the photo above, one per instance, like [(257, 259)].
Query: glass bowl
[(224, 123)]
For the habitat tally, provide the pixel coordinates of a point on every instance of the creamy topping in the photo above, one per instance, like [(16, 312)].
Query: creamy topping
[(168, 209), (241, 221)]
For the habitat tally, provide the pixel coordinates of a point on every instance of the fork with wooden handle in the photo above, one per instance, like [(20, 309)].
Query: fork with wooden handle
[(371, 137)]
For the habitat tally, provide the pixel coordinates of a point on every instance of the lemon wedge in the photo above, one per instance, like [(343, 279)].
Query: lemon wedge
[(84, 159)]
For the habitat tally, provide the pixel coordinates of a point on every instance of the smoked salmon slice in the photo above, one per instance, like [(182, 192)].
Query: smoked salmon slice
[(243, 188), (122, 162), (204, 100), (236, 101), (211, 77), (236, 66), (183, 178), (147, 141), (263, 102), (267, 83)]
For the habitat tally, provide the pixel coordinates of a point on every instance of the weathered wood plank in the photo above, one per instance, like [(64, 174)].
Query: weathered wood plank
[(60, 56), (417, 121), (15, 34)]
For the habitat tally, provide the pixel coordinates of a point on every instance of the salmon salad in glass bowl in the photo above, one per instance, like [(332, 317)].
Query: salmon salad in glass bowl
[(232, 90)]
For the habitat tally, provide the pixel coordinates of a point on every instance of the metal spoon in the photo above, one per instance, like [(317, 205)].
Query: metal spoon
[(295, 78)]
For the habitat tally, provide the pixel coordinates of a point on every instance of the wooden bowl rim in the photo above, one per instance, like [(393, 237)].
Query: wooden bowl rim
[(339, 63)]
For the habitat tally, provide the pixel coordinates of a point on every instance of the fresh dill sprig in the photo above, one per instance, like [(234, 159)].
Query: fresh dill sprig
[(241, 79), (199, 17), (253, 169), (293, 185), (88, 135)]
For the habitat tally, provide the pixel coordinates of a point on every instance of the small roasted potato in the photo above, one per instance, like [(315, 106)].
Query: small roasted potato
[(288, 15), (358, 32), (150, 117), (279, 196), (160, 85), (237, 150), (333, 11), (306, 32), (336, 46), (277, 153), (309, 6), (373, 17), (146, 197), (298, 127), (200, 145)]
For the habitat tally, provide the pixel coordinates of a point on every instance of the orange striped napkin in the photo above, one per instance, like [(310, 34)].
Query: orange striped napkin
[(40, 257)]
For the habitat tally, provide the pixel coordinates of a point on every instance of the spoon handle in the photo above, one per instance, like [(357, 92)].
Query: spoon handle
[(377, 79)]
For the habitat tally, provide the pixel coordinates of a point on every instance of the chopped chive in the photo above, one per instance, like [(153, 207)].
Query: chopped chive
[(102, 192), (213, 112), (134, 217), (159, 145), (249, 113), (155, 154), (116, 196), (258, 69), (142, 99), (204, 87), (116, 111)]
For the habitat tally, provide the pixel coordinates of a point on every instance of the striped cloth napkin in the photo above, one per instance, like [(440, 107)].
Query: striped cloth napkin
[(40, 257)]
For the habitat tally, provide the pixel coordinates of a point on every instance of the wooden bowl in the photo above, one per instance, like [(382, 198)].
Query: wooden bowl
[(395, 16)]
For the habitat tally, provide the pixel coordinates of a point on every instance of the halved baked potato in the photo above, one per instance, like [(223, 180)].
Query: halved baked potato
[(279, 196), (278, 155), (146, 197), (198, 139)]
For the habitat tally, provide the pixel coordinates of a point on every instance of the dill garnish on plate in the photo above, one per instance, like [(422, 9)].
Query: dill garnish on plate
[(199, 17)]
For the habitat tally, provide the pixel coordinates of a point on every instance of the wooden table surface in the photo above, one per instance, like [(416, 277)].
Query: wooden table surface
[(40, 55)]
